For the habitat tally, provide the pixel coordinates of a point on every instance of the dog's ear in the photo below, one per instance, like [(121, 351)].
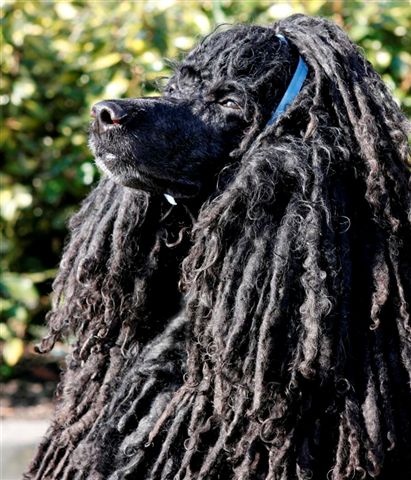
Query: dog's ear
[(347, 109), (88, 291)]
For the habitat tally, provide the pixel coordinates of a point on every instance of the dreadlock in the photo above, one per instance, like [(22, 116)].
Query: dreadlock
[(291, 357)]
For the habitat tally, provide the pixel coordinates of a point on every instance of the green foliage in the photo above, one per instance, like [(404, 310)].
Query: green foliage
[(58, 58)]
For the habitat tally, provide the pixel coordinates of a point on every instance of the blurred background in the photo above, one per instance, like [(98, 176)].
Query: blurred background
[(58, 58)]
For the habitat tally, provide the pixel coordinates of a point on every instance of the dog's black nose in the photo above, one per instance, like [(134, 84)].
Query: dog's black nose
[(108, 114)]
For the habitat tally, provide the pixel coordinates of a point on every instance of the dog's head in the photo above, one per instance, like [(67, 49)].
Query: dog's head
[(217, 101)]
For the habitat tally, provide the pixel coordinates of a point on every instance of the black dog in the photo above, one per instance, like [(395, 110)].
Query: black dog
[(258, 327), (178, 142)]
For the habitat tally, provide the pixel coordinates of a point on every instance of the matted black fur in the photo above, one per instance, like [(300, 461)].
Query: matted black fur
[(288, 355)]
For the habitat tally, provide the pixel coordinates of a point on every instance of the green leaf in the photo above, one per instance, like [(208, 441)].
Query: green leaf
[(20, 288)]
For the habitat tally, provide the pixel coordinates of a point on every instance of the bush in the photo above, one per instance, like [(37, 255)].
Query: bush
[(61, 57)]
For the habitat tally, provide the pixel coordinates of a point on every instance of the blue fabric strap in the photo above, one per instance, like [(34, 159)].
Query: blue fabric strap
[(293, 88)]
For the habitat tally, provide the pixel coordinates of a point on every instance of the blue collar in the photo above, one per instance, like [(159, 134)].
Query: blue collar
[(293, 88)]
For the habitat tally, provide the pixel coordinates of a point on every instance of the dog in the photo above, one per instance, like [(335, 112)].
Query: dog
[(237, 286)]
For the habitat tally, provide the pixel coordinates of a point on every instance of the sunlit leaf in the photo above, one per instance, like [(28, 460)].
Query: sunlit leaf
[(383, 58), (202, 22), (13, 199), (105, 61), (185, 43), (65, 10), (117, 87), (88, 172), (313, 6), (280, 10), (22, 89), (13, 351), (5, 333)]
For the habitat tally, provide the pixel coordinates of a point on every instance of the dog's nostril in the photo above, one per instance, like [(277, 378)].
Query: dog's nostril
[(108, 113), (108, 117)]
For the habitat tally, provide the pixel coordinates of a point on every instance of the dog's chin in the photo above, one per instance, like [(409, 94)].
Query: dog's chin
[(142, 180), (124, 176)]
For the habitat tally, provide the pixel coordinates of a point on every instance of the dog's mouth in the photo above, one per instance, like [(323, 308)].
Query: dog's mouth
[(141, 178)]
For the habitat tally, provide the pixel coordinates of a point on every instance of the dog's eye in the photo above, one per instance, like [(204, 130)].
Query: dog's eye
[(229, 103)]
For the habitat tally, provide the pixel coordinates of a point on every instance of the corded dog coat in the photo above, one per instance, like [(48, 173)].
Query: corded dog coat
[(237, 286)]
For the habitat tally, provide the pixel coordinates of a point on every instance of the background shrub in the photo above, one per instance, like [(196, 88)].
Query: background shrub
[(58, 58)]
